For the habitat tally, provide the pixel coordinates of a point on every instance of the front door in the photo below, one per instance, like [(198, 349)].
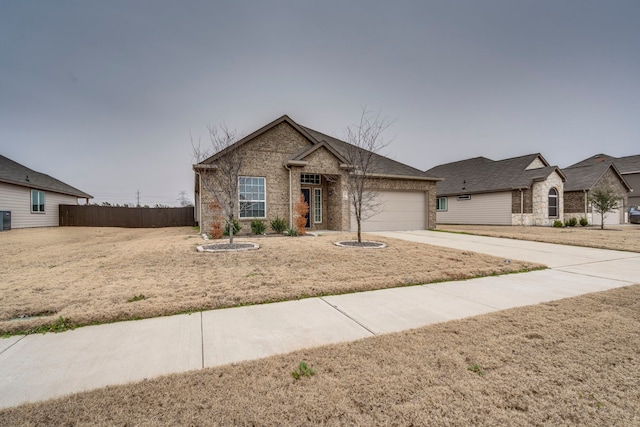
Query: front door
[(306, 192)]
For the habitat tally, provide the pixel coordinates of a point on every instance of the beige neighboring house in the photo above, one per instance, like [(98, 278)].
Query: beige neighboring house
[(523, 190), (32, 198), (582, 180), (629, 169), (285, 159)]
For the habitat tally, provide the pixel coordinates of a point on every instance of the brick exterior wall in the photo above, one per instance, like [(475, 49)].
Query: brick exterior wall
[(516, 202), (265, 156), (574, 205)]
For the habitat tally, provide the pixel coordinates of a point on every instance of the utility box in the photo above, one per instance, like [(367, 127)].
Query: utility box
[(5, 220)]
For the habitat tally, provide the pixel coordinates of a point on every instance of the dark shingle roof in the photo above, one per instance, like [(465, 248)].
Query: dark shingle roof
[(586, 176), (383, 165), (14, 173), (482, 175), (625, 165)]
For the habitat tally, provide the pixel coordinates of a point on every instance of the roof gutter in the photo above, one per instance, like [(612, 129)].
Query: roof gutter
[(407, 177)]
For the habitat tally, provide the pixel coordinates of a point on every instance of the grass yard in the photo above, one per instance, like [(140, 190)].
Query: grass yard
[(570, 362), (64, 276), (623, 238)]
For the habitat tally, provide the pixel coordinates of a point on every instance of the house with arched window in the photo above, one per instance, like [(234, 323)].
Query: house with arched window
[(523, 190)]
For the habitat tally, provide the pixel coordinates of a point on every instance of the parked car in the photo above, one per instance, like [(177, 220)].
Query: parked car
[(634, 215)]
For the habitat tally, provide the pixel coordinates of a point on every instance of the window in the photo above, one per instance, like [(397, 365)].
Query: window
[(37, 201), (464, 197), (553, 203), (307, 178), (441, 204), (251, 192), (317, 205)]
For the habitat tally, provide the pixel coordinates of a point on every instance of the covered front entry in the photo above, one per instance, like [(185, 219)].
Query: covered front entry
[(399, 210)]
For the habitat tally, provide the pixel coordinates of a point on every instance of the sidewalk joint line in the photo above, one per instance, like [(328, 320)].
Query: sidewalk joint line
[(21, 338), (202, 340), (335, 307), (593, 275)]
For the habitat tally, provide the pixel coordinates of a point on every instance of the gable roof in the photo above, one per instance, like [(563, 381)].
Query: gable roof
[(586, 176), (482, 175), (625, 165), (384, 166), (381, 166), (14, 173)]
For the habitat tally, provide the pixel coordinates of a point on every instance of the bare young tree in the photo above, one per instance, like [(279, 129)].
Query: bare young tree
[(219, 167), (604, 200), (362, 154)]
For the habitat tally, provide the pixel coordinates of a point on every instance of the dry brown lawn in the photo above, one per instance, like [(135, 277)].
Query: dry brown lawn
[(89, 275), (624, 238), (571, 362)]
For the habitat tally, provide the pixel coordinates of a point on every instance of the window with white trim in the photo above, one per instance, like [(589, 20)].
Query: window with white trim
[(37, 201), (309, 178), (317, 205), (441, 204), (553, 203), (252, 197)]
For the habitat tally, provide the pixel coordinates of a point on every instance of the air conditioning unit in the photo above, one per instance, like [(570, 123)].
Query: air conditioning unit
[(5, 220)]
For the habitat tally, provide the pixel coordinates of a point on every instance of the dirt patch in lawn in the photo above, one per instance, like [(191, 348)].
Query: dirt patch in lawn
[(570, 362), (624, 238), (76, 275)]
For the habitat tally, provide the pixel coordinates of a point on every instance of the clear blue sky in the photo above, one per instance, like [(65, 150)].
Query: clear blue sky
[(103, 94)]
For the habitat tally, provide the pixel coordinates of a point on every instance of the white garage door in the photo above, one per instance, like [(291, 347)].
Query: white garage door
[(399, 210), (612, 218)]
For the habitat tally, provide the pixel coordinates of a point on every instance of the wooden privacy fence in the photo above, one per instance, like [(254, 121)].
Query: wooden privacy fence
[(107, 216)]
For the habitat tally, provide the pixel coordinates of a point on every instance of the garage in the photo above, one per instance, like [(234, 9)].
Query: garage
[(612, 218), (399, 210)]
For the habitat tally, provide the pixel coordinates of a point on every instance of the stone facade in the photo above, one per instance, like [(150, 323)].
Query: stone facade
[(540, 192), (266, 155)]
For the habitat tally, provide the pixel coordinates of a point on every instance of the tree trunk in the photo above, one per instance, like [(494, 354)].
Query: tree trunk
[(359, 231), (231, 230)]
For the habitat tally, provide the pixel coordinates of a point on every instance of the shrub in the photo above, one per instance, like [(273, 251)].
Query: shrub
[(557, 223), (258, 226), (216, 231), (571, 222), (236, 228), (279, 225), (301, 209), (292, 232), (584, 222)]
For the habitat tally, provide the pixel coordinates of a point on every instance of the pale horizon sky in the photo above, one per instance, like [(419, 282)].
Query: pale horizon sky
[(103, 95)]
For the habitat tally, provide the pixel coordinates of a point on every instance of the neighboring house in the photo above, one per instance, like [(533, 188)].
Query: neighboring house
[(284, 159), (629, 168), (522, 190), (33, 197), (582, 180)]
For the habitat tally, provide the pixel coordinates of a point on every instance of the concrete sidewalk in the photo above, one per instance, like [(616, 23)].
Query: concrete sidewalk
[(38, 367)]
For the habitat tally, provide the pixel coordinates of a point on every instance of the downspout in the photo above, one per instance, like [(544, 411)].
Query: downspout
[(199, 200), (290, 193), (585, 203), (521, 207)]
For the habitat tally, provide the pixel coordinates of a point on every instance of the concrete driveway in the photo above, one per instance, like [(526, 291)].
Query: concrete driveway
[(39, 367)]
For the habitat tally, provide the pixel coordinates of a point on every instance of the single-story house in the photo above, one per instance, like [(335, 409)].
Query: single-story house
[(584, 179), (629, 168), (31, 197), (523, 190), (284, 159)]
